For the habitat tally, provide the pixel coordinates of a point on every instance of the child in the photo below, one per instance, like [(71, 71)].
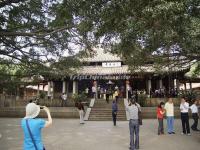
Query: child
[(160, 113)]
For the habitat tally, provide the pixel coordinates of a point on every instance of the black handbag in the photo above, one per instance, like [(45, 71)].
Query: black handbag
[(139, 115), (29, 130)]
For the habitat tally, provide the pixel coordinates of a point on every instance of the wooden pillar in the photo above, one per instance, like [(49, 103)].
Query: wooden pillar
[(127, 87), (190, 86), (38, 90), (75, 87), (149, 86), (160, 83), (96, 87), (52, 89), (185, 86), (177, 84), (49, 89), (64, 87)]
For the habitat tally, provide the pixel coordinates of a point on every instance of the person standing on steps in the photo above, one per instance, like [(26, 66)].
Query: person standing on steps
[(107, 95), (133, 109), (114, 111), (169, 109), (94, 92)]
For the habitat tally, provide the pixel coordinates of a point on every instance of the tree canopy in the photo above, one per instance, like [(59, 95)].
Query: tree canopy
[(141, 31)]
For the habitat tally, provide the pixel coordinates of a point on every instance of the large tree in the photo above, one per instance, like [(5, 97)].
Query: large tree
[(163, 32), (29, 32), (141, 31)]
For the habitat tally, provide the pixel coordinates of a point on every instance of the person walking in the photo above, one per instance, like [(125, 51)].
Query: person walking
[(64, 99), (116, 95), (160, 113), (184, 107), (195, 116), (81, 111), (107, 95), (114, 111), (133, 110), (94, 92), (32, 126), (169, 109)]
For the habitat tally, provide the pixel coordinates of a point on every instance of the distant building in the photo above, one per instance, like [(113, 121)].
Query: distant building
[(103, 68)]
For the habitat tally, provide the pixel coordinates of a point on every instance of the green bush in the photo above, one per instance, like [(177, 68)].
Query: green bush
[(189, 95), (142, 99), (42, 95), (80, 97)]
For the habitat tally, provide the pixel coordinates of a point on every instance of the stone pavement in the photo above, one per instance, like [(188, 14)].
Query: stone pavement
[(68, 134)]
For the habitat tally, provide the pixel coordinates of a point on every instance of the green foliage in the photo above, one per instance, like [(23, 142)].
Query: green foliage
[(142, 98), (42, 94), (80, 97), (189, 96), (140, 31)]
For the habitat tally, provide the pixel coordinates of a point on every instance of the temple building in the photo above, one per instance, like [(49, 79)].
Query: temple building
[(105, 70)]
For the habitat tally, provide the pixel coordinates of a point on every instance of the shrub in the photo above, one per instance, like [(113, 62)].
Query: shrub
[(142, 99)]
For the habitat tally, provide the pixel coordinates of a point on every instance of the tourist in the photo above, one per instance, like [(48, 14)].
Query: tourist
[(195, 115), (133, 110), (114, 112), (184, 107), (160, 113), (98, 91), (102, 93), (169, 108), (87, 92), (81, 111), (107, 95), (64, 99), (94, 91), (116, 95), (129, 89), (32, 127)]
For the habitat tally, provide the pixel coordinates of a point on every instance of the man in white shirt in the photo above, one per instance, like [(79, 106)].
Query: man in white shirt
[(169, 108), (195, 116), (184, 107)]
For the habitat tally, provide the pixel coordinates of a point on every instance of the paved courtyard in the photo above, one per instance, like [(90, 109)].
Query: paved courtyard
[(67, 134)]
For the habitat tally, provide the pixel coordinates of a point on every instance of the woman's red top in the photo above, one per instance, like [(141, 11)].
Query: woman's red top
[(159, 115)]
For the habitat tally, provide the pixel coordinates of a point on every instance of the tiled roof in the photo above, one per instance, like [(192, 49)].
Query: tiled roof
[(102, 56), (99, 70)]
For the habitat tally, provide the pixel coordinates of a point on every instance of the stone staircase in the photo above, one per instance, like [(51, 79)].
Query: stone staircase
[(103, 111)]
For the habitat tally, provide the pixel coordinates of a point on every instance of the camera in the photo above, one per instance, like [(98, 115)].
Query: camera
[(34, 101)]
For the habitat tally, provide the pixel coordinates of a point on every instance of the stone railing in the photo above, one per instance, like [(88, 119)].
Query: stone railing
[(153, 102)]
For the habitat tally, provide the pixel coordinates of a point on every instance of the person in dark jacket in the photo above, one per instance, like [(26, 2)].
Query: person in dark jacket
[(81, 110), (114, 112)]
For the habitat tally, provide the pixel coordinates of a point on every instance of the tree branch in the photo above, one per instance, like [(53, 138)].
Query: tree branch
[(3, 3), (33, 34)]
